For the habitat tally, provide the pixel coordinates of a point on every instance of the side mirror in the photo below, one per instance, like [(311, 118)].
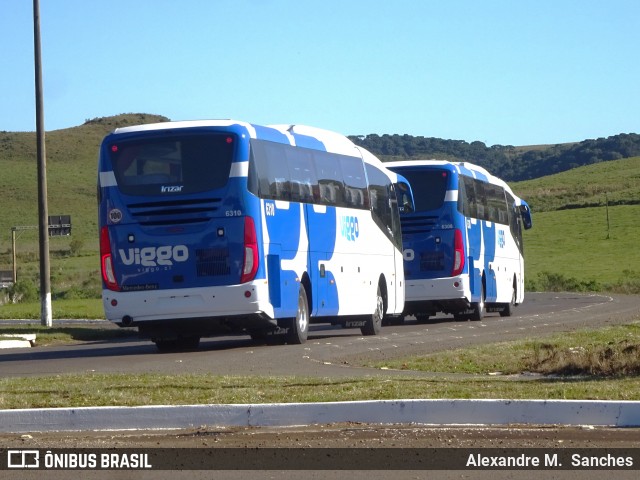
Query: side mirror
[(525, 213)]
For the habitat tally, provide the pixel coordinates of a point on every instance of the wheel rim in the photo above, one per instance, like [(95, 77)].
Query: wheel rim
[(303, 315), (379, 308)]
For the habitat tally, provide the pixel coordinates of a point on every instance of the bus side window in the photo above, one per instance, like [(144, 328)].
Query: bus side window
[(496, 204), (463, 200), (355, 182), (271, 170), (303, 175), (471, 203), (515, 221), (384, 204), (330, 185)]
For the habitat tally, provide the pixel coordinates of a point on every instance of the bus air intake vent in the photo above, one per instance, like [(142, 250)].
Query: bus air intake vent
[(174, 212), (212, 262), (418, 223)]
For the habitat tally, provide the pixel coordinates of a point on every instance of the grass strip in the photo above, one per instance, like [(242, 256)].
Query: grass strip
[(607, 352), (156, 389)]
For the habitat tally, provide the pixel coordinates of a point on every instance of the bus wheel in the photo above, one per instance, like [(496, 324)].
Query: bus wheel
[(373, 324), (422, 318), (477, 308), (181, 344), (299, 326), (507, 311)]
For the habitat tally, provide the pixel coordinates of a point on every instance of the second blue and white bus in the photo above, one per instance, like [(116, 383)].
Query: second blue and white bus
[(463, 245), (213, 227)]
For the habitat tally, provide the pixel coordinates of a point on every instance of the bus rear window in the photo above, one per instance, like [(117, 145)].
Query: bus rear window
[(175, 164), (429, 187)]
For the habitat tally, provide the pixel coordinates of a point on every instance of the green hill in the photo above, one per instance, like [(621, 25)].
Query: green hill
[(569, 250), (576, 242), (616, 182), (571, 243), (71, 177), (71, 183)]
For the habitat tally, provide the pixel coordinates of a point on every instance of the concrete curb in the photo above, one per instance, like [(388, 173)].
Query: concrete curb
[(421, 412), (18, 340)]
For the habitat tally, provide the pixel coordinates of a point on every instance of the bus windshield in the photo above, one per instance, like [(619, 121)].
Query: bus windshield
[(429, 187), (177, 164)]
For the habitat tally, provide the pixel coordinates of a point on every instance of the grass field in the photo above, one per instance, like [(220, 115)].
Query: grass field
[(576, 244), (573, 245), (617, 182)]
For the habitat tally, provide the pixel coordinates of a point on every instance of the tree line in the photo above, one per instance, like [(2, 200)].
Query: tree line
[(508, 162)]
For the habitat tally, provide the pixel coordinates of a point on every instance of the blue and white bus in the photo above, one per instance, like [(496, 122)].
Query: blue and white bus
[(463, 246), (213, 227)]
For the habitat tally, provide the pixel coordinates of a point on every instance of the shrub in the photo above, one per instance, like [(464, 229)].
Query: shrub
[(23, 291)]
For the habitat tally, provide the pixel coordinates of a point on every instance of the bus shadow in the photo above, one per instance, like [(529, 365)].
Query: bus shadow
[(77, 351), (447, 319)]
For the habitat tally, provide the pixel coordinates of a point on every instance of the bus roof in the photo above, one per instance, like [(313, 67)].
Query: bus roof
[(182, 124), (329, 140), (460, 167)]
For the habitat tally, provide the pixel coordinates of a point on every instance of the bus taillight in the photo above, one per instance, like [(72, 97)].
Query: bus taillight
[(458, 253), (106, 261), (250, 264)]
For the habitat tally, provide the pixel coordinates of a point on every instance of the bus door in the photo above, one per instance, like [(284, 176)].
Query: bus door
[(492, 262), (322, 229), (285, 232), (400, 200)]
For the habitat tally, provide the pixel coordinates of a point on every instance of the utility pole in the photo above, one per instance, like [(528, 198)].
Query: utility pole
[(606, 199), (46, 315)]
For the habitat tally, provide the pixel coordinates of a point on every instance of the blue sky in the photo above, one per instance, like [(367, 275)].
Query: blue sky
[(503, 72)]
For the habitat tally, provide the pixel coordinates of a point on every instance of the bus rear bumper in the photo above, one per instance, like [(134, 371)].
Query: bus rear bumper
[(243, 303), (429, 296)]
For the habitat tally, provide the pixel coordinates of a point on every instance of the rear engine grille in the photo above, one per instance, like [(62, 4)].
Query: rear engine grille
[(431, 261), (212, 262)]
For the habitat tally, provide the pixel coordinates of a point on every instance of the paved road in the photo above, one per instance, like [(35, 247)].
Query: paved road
[(329, 351)]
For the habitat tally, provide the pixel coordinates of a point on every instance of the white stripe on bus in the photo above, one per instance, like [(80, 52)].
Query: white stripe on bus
[(451, 196), (108, 179), (239, 169)]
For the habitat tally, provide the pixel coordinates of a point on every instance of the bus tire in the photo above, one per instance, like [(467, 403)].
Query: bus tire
[(477, 308), (373, 324), (422, 317), (299, 326), (507, 311)]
